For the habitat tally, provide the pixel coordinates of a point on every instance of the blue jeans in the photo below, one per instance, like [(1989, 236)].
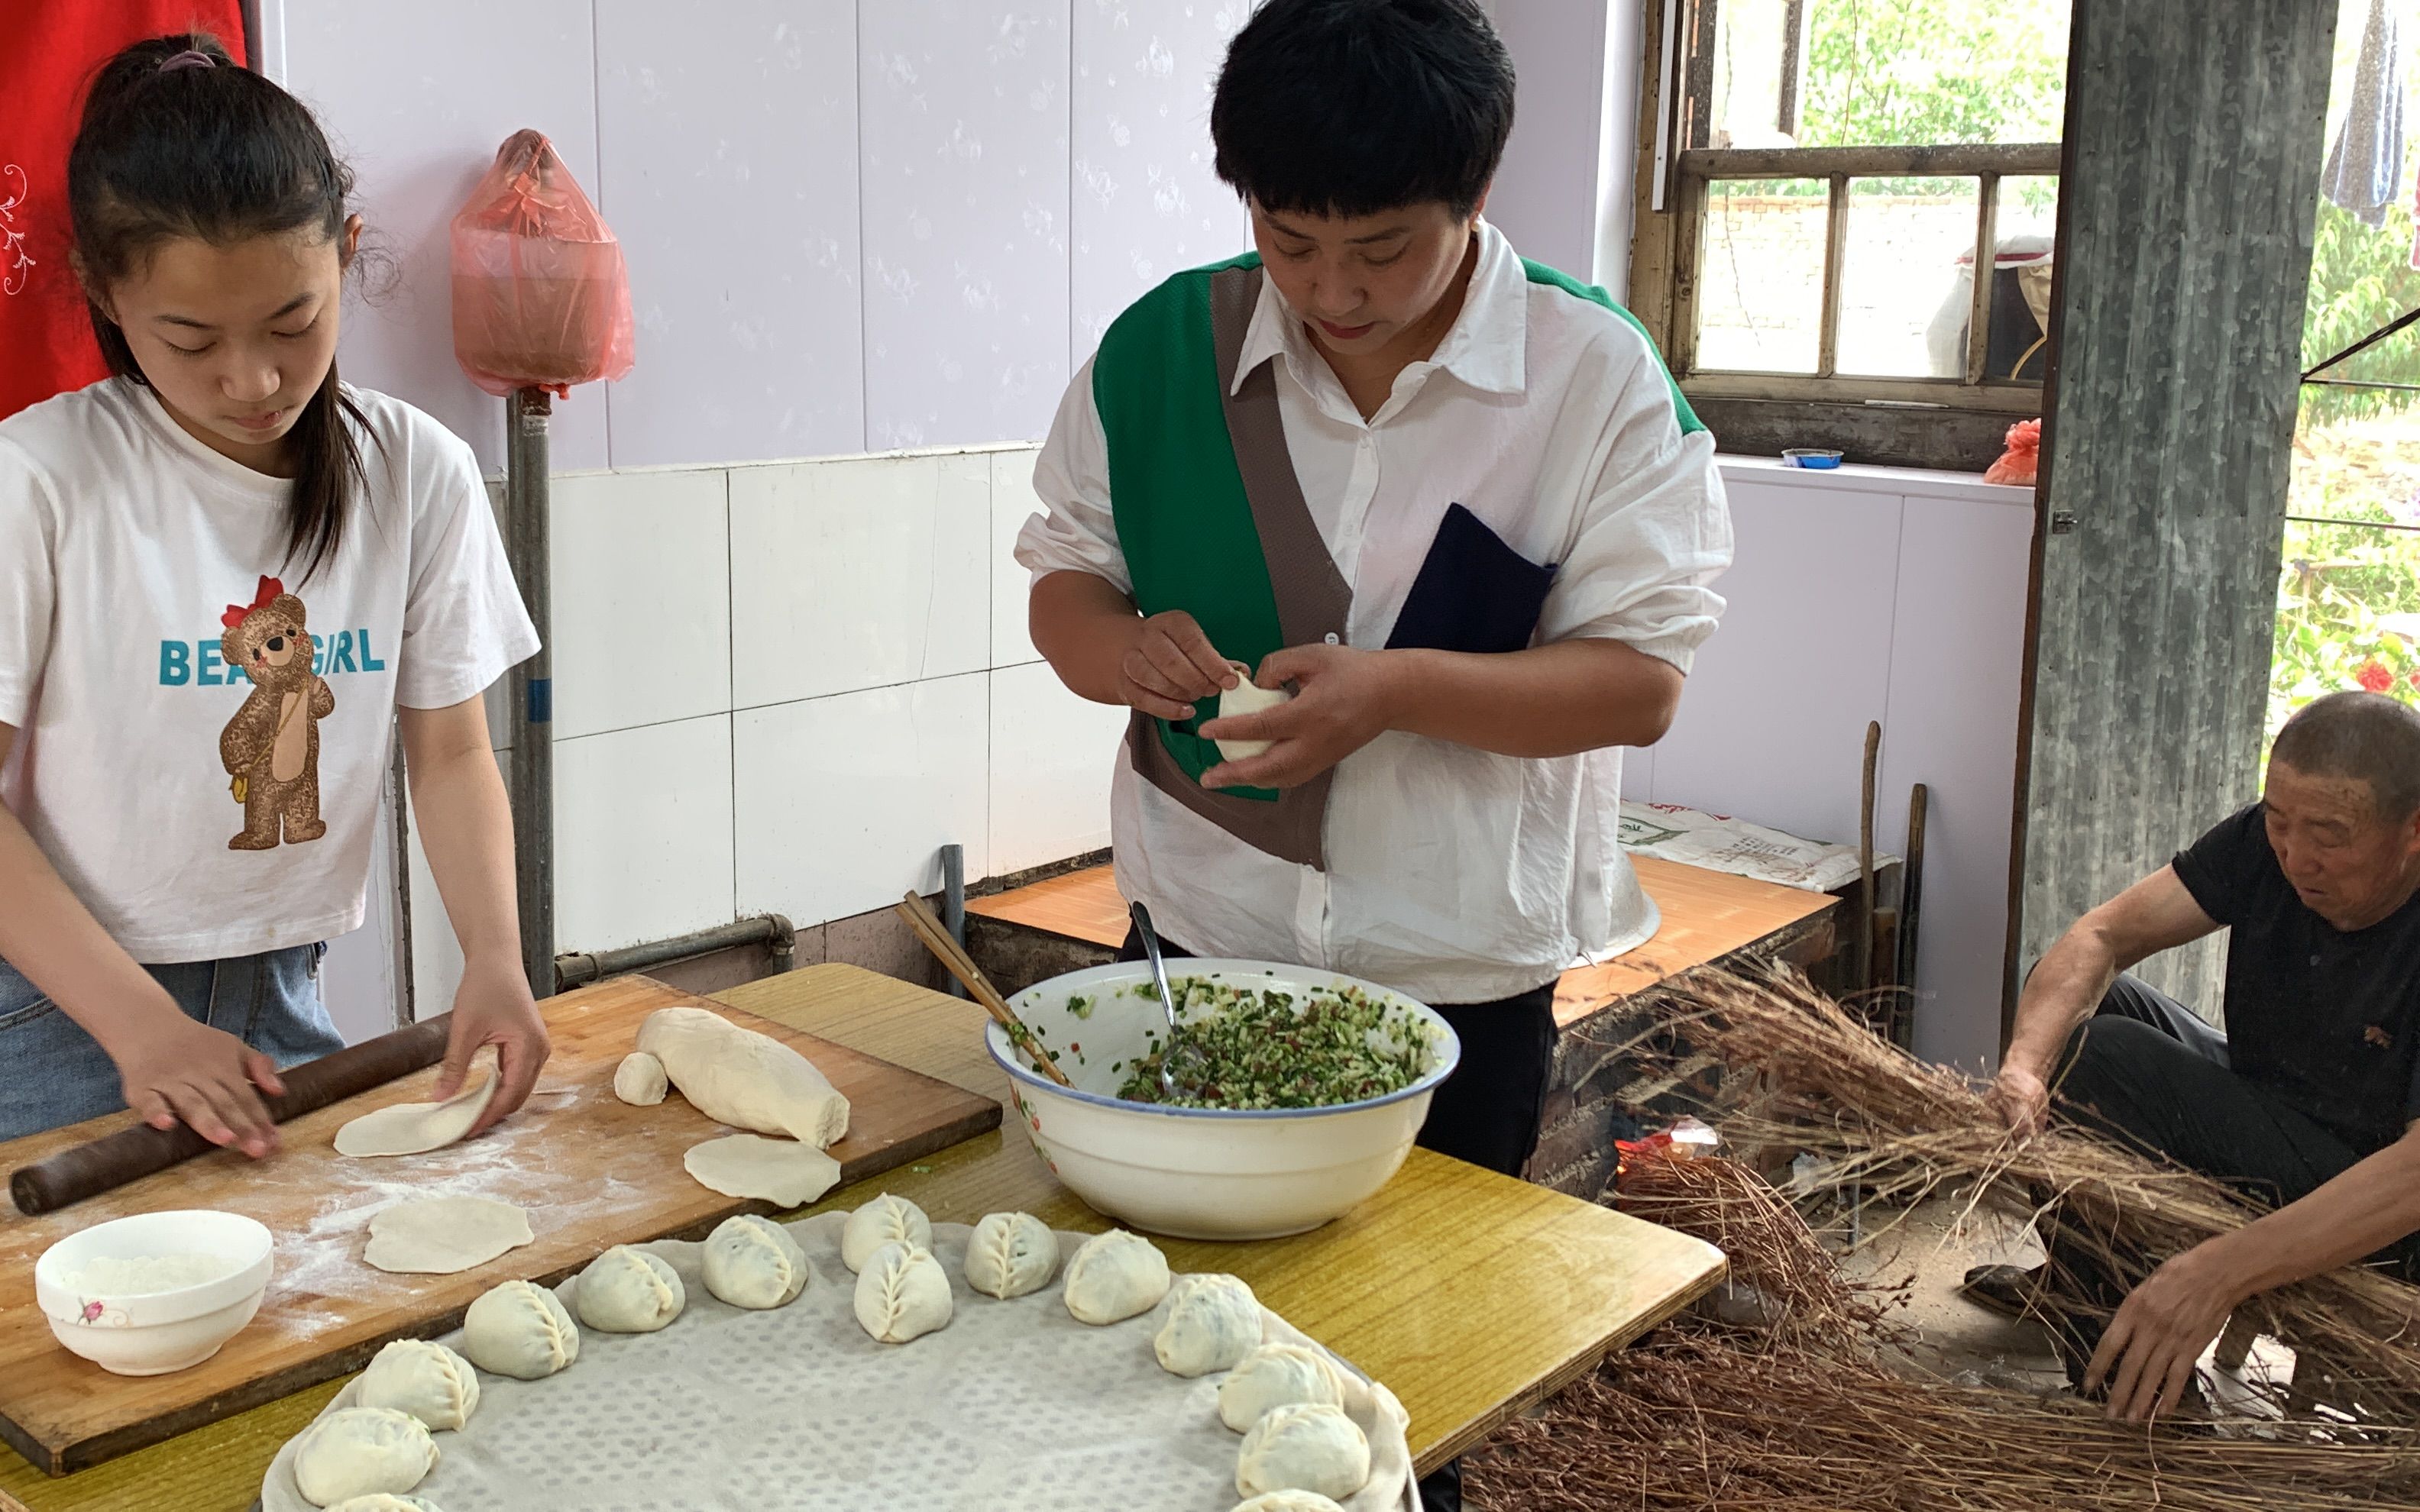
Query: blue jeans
[(52, 1072)]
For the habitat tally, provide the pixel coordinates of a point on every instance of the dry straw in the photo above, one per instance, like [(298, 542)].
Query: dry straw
[(1811, 1407)]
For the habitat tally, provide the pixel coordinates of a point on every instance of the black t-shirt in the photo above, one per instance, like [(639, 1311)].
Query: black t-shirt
[(2328, 1021)]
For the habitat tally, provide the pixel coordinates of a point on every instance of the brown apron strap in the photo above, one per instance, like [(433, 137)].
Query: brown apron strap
[(1312, 597)]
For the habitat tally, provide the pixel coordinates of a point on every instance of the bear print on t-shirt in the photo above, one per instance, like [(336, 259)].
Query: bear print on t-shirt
[(271, 746)]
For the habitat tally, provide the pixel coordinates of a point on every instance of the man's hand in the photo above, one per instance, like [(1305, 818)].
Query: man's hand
[(1170, 666), (2148, 1353), (493, 1006), (177, 1069), (2021, 1099), (1345, 701)]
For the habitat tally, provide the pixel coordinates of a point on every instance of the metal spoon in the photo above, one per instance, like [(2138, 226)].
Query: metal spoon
[(1141, 916)]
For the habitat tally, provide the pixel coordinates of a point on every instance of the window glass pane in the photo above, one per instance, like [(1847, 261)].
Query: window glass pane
[(1905, 290), (1760, 275), (1888, 72)]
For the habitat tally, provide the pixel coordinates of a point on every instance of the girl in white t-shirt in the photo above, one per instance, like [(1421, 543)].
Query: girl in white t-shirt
[(224, 581)]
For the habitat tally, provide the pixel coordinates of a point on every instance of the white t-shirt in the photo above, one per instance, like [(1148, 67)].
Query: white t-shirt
[(131, 556)]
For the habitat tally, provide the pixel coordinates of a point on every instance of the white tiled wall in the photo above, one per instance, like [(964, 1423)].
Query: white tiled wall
[(783, 688)]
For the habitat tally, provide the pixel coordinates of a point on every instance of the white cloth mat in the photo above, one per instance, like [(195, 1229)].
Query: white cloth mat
[(1014, 1407)]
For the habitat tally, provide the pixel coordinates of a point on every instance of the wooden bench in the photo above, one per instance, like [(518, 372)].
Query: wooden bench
[(1061, 923)]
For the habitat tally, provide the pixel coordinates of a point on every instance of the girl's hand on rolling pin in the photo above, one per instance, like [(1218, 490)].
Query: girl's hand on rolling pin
[(205, 1077), (493, 1006), (1170, 666)]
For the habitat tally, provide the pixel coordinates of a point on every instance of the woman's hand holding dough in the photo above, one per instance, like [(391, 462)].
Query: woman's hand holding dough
[(1344, 700), (177, 1069), (1170, 666)]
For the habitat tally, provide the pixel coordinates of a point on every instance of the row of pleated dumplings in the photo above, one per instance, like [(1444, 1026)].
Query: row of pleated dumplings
[(1300, 1450)]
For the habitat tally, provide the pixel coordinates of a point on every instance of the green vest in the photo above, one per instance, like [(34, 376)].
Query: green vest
[(1192, 533)]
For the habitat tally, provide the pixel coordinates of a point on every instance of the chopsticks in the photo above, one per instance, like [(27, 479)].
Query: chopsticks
[(935, 936)]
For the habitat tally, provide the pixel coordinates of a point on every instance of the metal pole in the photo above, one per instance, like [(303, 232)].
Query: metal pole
[(953, 903), (527, 543)]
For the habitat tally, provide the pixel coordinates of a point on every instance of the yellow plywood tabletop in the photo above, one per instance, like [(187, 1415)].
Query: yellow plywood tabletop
[(1470, 1294)]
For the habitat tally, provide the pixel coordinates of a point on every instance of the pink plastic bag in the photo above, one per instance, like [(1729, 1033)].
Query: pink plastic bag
[(541, 299), (2017, 464)]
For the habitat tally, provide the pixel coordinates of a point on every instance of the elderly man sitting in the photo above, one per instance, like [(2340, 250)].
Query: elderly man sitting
[(2308, 1100)]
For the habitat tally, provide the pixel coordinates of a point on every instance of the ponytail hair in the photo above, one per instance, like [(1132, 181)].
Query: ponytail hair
[(178, 140)]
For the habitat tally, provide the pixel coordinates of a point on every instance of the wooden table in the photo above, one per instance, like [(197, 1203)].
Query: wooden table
[(1470, 1294)]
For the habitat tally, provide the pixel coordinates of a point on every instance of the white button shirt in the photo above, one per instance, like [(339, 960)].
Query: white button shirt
[(1455, 875)]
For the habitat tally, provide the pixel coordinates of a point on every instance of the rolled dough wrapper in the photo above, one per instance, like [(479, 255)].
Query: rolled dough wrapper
[(1246, 698), (640, 1080), (780, 1171), (439, 1236), (742, 1079), (416, 1127)]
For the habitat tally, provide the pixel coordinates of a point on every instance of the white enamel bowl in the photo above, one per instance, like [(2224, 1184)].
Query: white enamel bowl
[(153, 1333), (1202, 1173)]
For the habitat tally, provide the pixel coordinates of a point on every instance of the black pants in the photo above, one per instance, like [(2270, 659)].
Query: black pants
[(2149, 1072), (1486, 1112)]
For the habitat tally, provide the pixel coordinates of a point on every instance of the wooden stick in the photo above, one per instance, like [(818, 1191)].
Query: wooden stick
[(935, 936)]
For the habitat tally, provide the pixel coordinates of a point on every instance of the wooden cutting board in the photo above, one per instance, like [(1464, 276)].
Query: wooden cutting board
[(590, 1170)]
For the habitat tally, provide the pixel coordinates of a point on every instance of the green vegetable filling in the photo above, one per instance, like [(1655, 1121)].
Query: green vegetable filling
[(1255, 1048)]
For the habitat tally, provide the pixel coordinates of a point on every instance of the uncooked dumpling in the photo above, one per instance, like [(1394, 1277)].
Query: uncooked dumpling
[(1212, 1322), (902, 1293), (627, 1290), (1115, 1276), (784, 1172), (742, 1079), (1309, 1446), (429, 1381), (1011, 1254), (883, 1221), (1276, 1375), (1246, 697), (640, 1080), (360, 1451), (754, 1263), (521, 1330), (384, 1503), (416, 1127), (1289, 1502)]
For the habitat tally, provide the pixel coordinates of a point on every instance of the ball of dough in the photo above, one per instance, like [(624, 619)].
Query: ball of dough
[(754, 1263), (1212, 1322), (360, 1452), (1309, 1446), (1276, 1375), (885, 1220), (1115, 1276), (1289, 1502), (627, 1290), (640, 1080), (429, 1381), (1011, 1254), (902, 1293), (519, 1329), (384, 1503)]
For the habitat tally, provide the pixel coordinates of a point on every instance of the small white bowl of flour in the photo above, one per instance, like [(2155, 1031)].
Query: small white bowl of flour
[(156, 1293)]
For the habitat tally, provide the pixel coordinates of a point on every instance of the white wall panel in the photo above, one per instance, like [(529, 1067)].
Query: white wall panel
[(1772, 727), (859, 573), (643, 834), (1051, 757), (849, 800), (418, 99), (641, 599), (1013, 502), (1957, 674), (963, 151), (728, 133), (1147, 203)]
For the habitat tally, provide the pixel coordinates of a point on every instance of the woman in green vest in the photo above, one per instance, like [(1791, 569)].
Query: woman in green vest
[(1449, 497)]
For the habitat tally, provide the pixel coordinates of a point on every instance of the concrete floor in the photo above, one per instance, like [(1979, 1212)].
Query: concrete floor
[(1947, 1335)]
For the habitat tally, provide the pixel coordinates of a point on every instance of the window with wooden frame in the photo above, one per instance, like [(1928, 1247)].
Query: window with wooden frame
[(1818, 183)]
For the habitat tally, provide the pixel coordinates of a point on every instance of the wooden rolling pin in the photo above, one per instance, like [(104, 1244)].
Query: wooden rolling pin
[(111, 1161)]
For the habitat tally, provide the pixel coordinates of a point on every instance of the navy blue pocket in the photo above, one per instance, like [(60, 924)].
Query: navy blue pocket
[(1474, 593)]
